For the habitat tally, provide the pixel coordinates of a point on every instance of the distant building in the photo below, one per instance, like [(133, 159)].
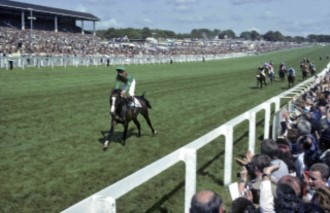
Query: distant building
[(30, 16)]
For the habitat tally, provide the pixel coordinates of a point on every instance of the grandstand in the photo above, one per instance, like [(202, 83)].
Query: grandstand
[(30, 16), (34, 35)]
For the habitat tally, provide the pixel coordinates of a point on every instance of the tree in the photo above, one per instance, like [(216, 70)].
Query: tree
[(146, 32), (246, 35), (227, 34), (201, 33), (269, 36), (278, 36)]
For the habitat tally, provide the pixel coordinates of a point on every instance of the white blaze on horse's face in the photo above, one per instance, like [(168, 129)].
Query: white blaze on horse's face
[(112, 109)]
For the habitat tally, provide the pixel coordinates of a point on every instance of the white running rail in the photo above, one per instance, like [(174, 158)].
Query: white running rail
[(105, 200)]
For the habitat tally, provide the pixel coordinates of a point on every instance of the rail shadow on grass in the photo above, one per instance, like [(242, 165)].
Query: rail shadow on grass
[(201, 172)]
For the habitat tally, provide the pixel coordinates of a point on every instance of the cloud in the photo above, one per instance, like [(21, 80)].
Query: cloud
[(81, 8), (182, 8), (108, 24), (147, 21), (184, 1), (267, 15), (305, 27), (254, 29), (190, 19), (236, 18), (240, 2)]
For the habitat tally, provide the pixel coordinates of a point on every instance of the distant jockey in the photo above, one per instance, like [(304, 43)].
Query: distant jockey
[(291, 72), (282, 66), (261, 71)]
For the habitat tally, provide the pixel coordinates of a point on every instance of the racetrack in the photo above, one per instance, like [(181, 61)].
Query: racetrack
[(51, 123)]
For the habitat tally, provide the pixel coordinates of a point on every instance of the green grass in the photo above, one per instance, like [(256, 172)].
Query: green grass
[(51, 122)]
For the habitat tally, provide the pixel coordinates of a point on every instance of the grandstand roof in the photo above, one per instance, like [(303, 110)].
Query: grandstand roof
[(14, 5)]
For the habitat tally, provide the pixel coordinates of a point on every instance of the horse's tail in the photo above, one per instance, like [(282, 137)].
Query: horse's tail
[(146, 101)]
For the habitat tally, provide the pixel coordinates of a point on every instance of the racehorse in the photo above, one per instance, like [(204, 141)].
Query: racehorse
[(312, 69), (304, 69), (123, 112), (291, 80), (261, 79), (282, 73)]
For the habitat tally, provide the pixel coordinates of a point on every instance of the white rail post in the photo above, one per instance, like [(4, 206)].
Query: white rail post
[(277, 103), (228, 155), (252, 131), (190, 183), (267, 119), (99, 203)]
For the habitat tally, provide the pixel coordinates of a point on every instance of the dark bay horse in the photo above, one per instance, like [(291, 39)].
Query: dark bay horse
[(261, 80), (304, 69), (312, 69), (291, 80), (282, 71), (122, 112)]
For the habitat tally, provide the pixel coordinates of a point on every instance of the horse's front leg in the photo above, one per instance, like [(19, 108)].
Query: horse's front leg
[(110, 133), (125, 133)]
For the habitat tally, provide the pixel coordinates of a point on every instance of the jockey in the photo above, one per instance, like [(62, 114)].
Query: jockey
[(312, 66), (291, 72), (269, 67), (282, 66), (126, 83)]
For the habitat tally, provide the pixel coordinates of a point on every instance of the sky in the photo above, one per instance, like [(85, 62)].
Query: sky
[(290, 17)]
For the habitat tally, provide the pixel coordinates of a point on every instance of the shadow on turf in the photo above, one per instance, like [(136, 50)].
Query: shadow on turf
[(200, 172), (116, 137)]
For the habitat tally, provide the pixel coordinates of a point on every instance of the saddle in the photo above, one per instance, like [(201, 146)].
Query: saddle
[(133, 102)]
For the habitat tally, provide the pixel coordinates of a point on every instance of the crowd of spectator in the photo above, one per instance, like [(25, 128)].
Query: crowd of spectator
[(64, 43), (290, 174)]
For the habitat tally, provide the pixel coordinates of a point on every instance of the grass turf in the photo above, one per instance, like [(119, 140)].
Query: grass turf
[(51, 123)]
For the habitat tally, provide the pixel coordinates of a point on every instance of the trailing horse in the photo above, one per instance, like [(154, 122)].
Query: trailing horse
[(312, 70), (261, 79), (282, 73), (304, 69), (291, 80), (123, 112)]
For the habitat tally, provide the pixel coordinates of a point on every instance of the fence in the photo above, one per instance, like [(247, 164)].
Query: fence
[(75, 61), (106, 198)]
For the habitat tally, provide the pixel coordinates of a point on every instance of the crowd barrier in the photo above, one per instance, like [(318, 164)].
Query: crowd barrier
[(105, 200), (76, 61)]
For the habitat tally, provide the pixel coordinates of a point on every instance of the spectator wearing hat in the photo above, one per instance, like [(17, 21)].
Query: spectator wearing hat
[(125, 82)]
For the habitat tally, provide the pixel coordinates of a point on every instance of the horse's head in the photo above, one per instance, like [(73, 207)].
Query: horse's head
[(114, 100)]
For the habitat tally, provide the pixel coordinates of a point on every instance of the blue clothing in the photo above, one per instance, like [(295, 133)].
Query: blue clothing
[(292, 72)]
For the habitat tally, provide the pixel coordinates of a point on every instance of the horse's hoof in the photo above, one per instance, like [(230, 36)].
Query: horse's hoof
[(123, 142), (155, 132), (105, 145)]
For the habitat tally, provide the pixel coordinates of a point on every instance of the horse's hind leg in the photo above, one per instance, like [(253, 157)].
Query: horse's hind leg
[(137, 124), (146, 116)]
